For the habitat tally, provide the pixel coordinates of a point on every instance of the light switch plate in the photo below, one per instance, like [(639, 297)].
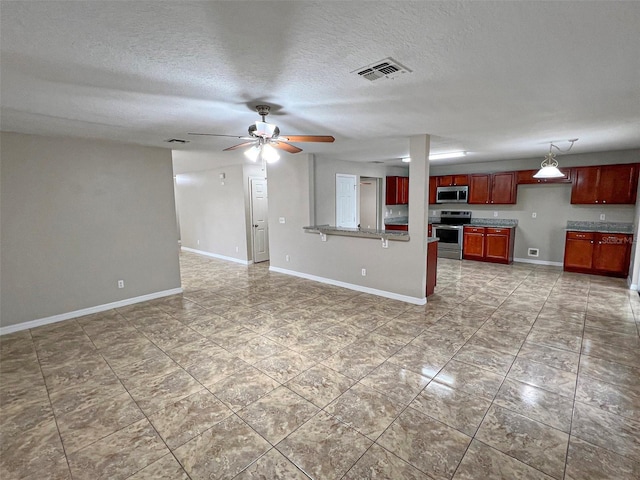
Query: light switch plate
[(281, 220)]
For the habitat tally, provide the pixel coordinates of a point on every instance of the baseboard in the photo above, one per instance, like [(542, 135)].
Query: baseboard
[(538, 262), (215, 255), (87, 311), (352, 286)]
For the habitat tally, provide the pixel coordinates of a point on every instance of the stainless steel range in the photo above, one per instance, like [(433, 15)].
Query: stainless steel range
[(450, 230)]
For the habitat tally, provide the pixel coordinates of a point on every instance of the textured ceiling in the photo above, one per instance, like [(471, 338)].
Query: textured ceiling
[(498, 79)]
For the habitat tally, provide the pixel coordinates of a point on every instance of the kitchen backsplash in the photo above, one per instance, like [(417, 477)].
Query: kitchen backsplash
[(617, 227)]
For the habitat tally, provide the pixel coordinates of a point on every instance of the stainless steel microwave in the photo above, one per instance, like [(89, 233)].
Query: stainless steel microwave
[(458, 194)]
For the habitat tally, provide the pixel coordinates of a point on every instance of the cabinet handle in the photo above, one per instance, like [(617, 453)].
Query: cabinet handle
[(591, 241), (604, 201), (596, 201), (599, 243)]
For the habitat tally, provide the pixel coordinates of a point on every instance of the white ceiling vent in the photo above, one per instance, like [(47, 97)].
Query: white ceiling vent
[(385, 68)]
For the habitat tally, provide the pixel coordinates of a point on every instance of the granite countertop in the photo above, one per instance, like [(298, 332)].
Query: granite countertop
[(396, 221), (494, 222), (398, 235), (604, 227), (433, 239), (492, 225)]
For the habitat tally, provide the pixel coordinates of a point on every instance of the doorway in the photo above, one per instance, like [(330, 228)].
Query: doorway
[(259, 220), (370, 207)]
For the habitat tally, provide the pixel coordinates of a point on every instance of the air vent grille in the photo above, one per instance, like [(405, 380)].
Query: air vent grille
[(385, 68)]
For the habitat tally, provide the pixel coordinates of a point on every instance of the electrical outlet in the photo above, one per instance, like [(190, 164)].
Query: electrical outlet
[(198, 242), (282, 220), (237, 249), (120, 283), (602, 216), (534, 215), (495, 214), (364, 272), (287, 258)]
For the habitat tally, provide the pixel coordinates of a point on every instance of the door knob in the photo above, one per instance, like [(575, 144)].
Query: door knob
[(256, 226)]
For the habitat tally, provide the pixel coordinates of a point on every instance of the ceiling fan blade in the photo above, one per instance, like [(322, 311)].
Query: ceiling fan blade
[(240, 145), (308, 138), (217, 135), (285, 146)]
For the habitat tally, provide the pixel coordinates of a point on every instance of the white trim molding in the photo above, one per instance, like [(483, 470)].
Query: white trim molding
[(538, 262), (215, 255), (87, 311), (352, 286)]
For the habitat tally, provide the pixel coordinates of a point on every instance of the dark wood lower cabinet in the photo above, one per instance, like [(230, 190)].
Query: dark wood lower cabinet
[(473, 243), (598, 253), (432, 266), (488, 244), (403, 228)]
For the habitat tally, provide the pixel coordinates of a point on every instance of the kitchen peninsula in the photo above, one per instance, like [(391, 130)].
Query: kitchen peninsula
[(385, 236)]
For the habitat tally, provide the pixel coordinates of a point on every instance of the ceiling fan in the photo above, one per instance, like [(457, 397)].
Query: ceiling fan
[(265, 137)]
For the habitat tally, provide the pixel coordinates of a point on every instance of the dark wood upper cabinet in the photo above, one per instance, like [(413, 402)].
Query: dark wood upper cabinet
[(606, 184), (618, 184), (452, 180), (525, 177), (503, 188), (433, 183), (397, 191), (585, 183), (495, 188), (479, 186)]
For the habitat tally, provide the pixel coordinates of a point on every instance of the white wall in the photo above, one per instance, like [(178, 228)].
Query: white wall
[(77, 216), (399, 269), (212, 211), (324, 175)]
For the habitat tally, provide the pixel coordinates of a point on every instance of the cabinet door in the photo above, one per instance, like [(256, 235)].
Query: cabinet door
[(460, 180), (503, 188), (578, 251), (617, 184), (403, 191), (585, 185), (473, 243), (612, 252), (479, 186), (445, 180), (433, 183), (391, 191), (496, 243)]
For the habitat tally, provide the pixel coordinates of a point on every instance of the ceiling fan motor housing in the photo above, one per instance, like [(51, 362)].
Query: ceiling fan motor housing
[(263, 110)]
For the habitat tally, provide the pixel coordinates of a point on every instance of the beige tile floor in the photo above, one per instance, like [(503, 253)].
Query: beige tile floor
[(511, 372)]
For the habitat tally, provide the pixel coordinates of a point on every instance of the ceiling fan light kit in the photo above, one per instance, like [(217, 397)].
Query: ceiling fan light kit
[(264, 139)]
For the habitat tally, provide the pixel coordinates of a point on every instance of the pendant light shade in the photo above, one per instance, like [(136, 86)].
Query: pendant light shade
[(549, 166)]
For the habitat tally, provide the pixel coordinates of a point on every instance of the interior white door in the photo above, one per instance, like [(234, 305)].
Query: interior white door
[(259, 220), (346, 201)]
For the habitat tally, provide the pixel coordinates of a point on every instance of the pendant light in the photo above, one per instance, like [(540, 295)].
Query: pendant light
[(549, 166)]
